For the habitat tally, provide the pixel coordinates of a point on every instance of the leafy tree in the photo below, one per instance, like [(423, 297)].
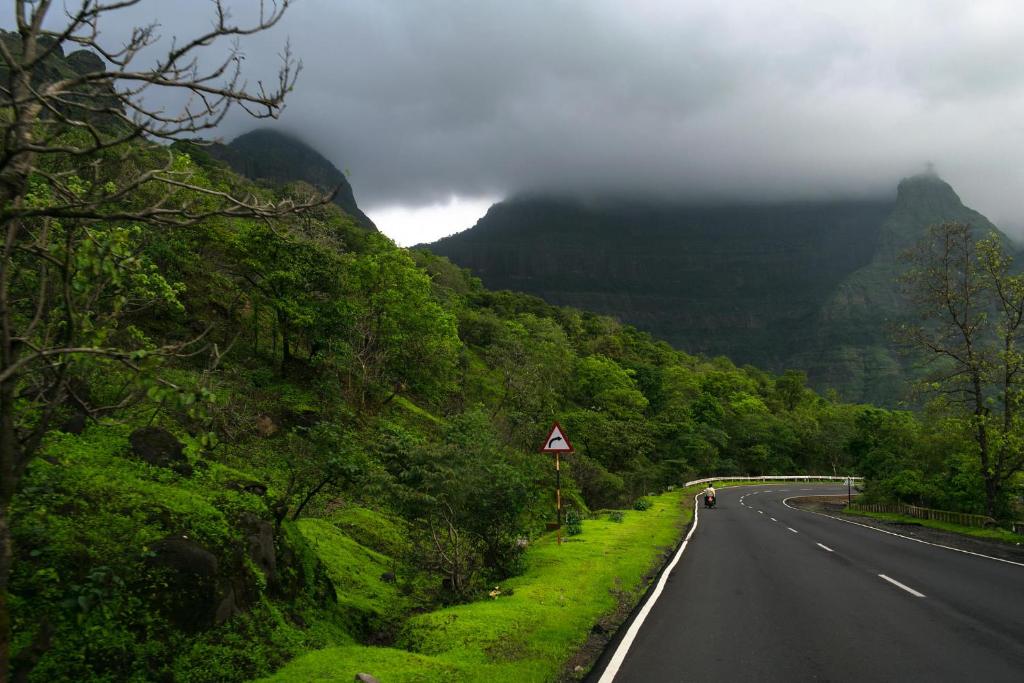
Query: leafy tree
[(971, 310), (391, 335), (323, 460), (791, 388), (535, 360)]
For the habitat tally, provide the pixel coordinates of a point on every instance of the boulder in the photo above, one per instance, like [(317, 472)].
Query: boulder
[(265, 426), (74, 424), (260, 535), (192, 602), (366, 678), (160, 448), (248, 486)]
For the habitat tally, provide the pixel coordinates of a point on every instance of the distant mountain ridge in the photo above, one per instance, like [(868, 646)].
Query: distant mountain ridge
[(265, 154), (806, 285)]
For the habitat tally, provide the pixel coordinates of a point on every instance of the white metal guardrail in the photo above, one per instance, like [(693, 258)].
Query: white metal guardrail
[(793, 477)]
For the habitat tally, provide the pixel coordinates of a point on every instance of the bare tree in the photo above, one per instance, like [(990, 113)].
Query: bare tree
[(970, 310), (77, 180)]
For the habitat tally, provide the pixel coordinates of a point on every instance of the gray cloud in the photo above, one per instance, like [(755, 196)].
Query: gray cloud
[(774, 98)]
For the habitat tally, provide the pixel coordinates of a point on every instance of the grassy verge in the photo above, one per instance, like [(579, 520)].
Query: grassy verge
[(537, 622), (987, 534)]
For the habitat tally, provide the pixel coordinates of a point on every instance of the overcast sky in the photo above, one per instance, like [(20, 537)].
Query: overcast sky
[(438, 108)]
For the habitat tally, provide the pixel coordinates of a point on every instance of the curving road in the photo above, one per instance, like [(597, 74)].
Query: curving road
[(764, 592)]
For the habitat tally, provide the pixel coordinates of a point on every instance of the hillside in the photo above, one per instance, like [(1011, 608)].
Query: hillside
[(280, 158), (810, 286)]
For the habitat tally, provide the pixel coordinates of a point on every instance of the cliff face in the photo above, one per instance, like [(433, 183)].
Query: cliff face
[(279, 158), (853, 349), (797, 285)]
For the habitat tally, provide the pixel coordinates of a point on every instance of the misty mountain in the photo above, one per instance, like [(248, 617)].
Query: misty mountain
[(806, 285), (272, 156)]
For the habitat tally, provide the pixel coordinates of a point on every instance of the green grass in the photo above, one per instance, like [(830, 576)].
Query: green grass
[(987, 534), (406, 404), (541, 618), (386, 535), (354, 569)]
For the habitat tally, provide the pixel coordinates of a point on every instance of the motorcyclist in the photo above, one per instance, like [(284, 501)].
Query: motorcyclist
[(709, 492)]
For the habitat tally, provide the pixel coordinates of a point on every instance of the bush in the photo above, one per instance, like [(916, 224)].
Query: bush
[(642, 504), (573, 522), (616, 516)]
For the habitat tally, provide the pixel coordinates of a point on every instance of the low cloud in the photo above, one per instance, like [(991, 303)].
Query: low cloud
[(775, 99)]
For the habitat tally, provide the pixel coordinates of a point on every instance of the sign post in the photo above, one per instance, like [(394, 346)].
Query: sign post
[(557, 443)]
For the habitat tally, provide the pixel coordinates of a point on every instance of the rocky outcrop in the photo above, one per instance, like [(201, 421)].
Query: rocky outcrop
[(194, 598), (204, 587), (160, 448)]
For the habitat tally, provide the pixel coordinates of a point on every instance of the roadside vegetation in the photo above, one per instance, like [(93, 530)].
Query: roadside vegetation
[(989, 534), (531, 624)]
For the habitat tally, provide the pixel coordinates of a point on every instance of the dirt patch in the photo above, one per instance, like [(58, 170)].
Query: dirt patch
[(833, 506)]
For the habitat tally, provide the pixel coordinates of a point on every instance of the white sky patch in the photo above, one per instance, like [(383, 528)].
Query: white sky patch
[(411, 225)]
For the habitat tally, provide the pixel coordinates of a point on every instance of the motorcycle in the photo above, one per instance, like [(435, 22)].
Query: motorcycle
[(709, 501)]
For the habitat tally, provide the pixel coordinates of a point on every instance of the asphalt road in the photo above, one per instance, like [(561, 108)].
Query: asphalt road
[(765, 593)]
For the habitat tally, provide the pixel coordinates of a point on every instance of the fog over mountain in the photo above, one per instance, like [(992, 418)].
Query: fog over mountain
[(778, 99)]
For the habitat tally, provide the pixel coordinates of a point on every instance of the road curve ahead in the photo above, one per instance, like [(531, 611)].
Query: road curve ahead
[(766, 593)]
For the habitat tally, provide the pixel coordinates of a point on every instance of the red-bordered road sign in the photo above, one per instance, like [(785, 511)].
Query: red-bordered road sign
[(557, 441)]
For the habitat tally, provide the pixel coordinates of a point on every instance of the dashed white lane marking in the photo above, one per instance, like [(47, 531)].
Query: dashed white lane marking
[(760, 512), (900, 585), (627, 640), (906, 538), (806, 489), (774, 520), (792, 529), (822, 545)]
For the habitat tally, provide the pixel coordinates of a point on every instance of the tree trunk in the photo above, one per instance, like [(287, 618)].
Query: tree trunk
[(5, 615), (9, 470)]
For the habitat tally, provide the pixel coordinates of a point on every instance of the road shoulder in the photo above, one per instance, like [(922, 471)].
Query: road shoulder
[(823, 505)]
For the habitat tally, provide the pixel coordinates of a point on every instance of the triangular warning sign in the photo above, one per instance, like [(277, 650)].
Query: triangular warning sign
[(557, 441)]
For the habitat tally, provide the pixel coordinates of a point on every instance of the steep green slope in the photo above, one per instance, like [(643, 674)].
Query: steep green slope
[(853, 348), (280, 158), (810, 286), (743, 281)]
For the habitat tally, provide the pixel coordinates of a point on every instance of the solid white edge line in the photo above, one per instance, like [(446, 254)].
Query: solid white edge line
[(622, 650), (892, 533), (792, 529), (822, 545), (900, 585)]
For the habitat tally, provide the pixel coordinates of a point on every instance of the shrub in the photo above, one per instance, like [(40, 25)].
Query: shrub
[(642, 504), (573, 522), (616, 516)]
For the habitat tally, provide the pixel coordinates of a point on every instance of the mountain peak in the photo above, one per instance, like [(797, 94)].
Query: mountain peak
[(929, 190), (282, 158)]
